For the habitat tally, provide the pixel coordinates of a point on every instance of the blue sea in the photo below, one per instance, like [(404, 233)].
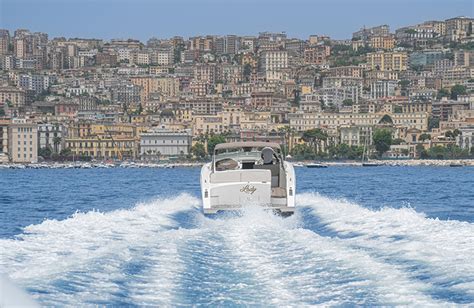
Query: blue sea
[(137, 237)]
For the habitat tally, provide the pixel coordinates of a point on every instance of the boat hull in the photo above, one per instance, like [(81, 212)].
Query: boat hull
[(234, 190)]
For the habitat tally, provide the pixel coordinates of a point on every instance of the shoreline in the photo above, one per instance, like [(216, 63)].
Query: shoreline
[(135, 165)]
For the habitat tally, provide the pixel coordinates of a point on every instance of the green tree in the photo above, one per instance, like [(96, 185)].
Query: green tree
[(287, 133), (457, 90), (2, 112), (424, 137), (421, 152), (56, 142), (449, 134), (398, 141), (198, 150), (45, 152), (302, 151), (247, 72), (314, 138), (433, 122), (382, 140), (347, 102), (65, 152), (443, 93), (437, 152), (213, 141)]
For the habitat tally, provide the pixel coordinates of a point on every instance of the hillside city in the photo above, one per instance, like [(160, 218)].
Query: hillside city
[(397, 93)]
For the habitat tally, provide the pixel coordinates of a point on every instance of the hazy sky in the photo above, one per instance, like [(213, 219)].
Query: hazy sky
[(143, 19)]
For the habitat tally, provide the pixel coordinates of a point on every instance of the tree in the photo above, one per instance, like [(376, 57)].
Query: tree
[(422, 153), (457, 90), (45, 152), (198, 150), (140, 109), (56, 142), (247, 72), (433, 122), (449, 134), (2, 112), (287, 133), (442, 93), (213, 141), (386, 119), (302, 151), (397, 141), (437, 152), (382, 139), (347, 102), (314, 137), (65, 152), (424, 137)]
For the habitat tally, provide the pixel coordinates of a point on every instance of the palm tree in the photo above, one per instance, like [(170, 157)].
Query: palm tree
[(287, 133), (56, 142)]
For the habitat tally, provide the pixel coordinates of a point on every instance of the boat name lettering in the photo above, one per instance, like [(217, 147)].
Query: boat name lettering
[(248, 189)]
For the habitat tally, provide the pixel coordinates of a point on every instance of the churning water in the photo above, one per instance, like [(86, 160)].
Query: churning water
[(138, 237)]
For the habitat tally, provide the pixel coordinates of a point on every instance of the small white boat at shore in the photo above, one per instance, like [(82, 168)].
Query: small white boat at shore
[(316, 165), (247, 173)]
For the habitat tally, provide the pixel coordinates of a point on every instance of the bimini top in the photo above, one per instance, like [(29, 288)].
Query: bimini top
[(245, 144)]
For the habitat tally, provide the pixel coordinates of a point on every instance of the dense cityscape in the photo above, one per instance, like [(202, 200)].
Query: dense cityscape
[(404, 93)]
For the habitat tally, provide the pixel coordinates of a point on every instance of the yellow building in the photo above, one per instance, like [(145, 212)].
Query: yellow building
[(302, 121), (164, 85), (387, 61), (23, 142), (385, 42), (208, 124), (15, 96), (100, 147)]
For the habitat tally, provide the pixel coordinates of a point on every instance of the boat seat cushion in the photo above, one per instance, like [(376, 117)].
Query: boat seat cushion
[(275, 169), (241, 176), (278, 192)]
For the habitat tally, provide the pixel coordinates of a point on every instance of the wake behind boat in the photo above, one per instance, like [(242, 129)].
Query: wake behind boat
[(243, 173)]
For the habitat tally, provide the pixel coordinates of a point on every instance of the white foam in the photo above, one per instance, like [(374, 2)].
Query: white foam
[(294, 266), (88, 250), (403, 237), (256, 258)]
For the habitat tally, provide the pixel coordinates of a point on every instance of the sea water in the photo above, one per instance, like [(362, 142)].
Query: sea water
[(360, 236)]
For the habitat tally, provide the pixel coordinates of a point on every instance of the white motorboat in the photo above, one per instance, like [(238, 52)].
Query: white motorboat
[(248, 173)]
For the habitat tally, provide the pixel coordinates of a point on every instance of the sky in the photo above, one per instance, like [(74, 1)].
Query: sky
[(143, 19)]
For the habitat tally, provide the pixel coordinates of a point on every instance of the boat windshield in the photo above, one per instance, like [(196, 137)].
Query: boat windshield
[(240, 158)]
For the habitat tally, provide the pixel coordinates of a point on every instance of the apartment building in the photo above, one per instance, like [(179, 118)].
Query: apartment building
[(273, 60), (387, 61), (16, 97), (23, 141), (161, 142), (457, 28), (51, 136), (302, 121), (385, 42)]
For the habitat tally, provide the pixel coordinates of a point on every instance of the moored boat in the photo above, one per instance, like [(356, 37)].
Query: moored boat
[(316, 165)]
